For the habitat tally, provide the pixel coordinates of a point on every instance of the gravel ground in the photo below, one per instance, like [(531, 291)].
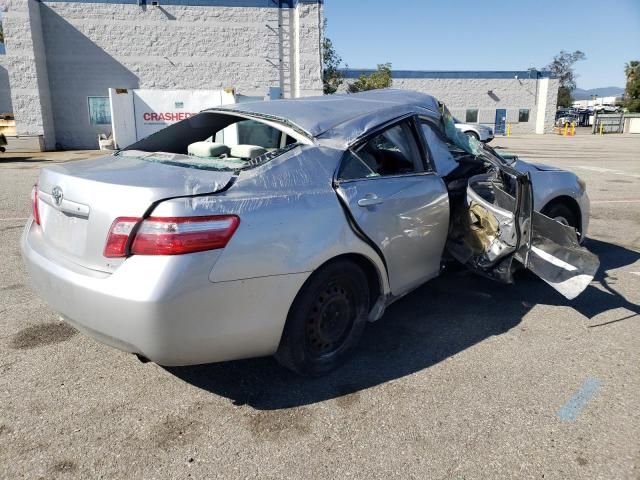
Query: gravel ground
[(462, 379)]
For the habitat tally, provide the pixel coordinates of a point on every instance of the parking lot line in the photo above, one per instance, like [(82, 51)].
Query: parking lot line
[(13, 219), (607, 170), (629, 200), (574, 406)]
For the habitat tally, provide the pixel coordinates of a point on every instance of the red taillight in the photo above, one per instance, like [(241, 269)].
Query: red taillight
[(118, 236), (34, 204), (171, 236)]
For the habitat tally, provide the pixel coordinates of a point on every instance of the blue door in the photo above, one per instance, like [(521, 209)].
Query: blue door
[(501, 121)]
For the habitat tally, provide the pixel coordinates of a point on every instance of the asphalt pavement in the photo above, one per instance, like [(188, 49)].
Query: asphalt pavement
[(462, 379)]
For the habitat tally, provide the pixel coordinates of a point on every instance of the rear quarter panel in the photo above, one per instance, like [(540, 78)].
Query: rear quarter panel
[(291, 220)]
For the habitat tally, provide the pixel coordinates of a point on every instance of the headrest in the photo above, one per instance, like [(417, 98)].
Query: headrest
[(248, 152), (207, 149)]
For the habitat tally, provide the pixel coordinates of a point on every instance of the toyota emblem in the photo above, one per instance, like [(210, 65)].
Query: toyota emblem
[(57, 195)]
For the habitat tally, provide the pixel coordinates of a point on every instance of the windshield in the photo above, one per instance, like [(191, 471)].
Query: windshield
[(215, 141)]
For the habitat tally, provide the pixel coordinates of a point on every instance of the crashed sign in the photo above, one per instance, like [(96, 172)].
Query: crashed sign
[(155, 109), (136, 114), (166, 116)]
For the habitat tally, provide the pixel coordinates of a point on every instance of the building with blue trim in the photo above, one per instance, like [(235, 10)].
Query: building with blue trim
[(524, 100)]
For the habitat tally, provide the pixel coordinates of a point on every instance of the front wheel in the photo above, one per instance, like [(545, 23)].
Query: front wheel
[(472, 134), (326, 320), (563, 214)]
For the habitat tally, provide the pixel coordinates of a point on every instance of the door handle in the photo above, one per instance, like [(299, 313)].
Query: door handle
[(369, 200)]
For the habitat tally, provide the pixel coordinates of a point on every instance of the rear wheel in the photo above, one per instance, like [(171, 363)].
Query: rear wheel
[(326, 320)]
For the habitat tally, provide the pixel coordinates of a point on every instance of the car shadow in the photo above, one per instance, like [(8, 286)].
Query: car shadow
[(7, 158), (435, 322)]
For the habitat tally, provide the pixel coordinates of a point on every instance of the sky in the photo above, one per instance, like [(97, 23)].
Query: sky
[(488, 34)]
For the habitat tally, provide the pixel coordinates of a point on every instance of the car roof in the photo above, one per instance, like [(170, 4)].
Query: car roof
[(350, 112)]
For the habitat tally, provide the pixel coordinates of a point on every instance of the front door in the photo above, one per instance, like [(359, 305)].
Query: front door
[(398, 203), (501, 121)]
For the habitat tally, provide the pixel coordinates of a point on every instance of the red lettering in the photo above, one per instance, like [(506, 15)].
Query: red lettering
[(166, 116)]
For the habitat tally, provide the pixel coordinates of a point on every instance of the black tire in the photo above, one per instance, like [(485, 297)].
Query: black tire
[(326, 320), (564, 214), (472, 134)]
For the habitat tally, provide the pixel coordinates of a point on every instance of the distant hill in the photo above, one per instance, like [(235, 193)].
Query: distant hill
[(581, 94)]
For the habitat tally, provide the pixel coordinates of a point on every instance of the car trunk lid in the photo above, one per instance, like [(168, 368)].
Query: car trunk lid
[(79, 201)]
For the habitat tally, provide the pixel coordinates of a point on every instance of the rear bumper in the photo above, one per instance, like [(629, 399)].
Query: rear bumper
[(166, 308)]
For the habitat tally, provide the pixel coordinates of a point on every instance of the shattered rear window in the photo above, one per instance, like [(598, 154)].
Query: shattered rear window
[(215, 141)]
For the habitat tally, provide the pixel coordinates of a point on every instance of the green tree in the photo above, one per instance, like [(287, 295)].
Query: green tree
[(381, 78), (564, 97), (632, 90), (332, 77), (1, 34), (562, 68)]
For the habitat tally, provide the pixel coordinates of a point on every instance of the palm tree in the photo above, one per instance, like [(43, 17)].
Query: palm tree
[(632, 90), (632, 70)]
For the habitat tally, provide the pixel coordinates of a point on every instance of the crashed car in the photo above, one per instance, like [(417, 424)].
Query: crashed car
[(283, 227)]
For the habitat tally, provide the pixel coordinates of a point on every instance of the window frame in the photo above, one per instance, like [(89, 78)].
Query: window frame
[(278, 141), (423, 160), (528, 110), (466, 115), (89, 109)]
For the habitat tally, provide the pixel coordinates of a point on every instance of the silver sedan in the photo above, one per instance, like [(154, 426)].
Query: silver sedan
[(283, 227)]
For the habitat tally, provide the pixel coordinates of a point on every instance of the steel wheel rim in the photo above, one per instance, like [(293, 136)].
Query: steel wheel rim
[(331, 318)]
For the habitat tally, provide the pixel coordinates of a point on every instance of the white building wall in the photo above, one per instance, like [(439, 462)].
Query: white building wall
[(308, 55), (91, 47), (26, 66), (5, 90), (552, 105)]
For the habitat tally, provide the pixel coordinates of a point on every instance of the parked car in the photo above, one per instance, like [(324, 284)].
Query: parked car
[(565, 116), (604, 108), (476, 130), (283, 227)]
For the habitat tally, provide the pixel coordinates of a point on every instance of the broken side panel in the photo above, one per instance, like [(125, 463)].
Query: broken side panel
[(557, 258), (491, 227)]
